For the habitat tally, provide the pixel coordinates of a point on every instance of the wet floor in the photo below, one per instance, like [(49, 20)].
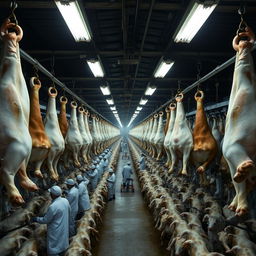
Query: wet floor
[(128, 228)]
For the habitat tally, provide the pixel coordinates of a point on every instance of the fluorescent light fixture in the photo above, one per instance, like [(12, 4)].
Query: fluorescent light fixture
[(193, 20), (150, 90), (96, 68), (139, 108), (136, 112), (105, 90), (110, 101), (143, 101), (163, 68), (113, 108), (72, 14), (114, 112)]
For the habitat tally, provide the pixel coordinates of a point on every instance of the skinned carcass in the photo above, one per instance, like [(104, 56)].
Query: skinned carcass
[(52, 129), (87, 129), (181, 138), (205, 146), (40, 141), (63, 122), (159, 136), (16, 142), (240, 133), (73, 138), (167, 139)]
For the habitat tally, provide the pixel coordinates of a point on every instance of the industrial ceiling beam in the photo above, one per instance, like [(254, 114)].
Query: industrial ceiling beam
[(116, 6), (143, 79)]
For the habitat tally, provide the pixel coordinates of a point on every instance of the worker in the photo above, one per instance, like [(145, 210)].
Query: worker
[(72, 196), (93, 175), (142, 162), (127, 172), (57, 219), (83, 200), (111, 182), (100, 168), (105, 163)]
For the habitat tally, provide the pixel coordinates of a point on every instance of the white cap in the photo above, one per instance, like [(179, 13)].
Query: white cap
[(55, 190), (93, 166), (70, 182), (79, 177), (110, 170), (100, 157), (95, 162)]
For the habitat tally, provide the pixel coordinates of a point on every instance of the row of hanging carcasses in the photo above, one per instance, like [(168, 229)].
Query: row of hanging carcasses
[(204, 146), (23, 134)]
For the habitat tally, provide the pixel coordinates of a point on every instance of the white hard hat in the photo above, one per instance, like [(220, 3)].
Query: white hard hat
[(55, 190), (70, 182), (110, 170), (79, 177)]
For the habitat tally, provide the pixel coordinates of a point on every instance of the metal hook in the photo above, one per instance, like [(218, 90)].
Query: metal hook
[(36, 71), (12, 16), (242, 25), (179, 89), (52, 65)]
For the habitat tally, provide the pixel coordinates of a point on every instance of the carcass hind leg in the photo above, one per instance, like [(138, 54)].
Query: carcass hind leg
[(51, 157), (174, 159), (55, 164), (11, 162), (239, 158), (185, 158)]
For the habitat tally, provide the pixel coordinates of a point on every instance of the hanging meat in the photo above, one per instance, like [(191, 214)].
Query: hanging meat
[(63, 122), (240, 133), (205, 146), (159, 136), (16, 143), (87, 130), (83, 133), (181, 138), (167, 140), (73, 138), (52, 129), (40, 141)]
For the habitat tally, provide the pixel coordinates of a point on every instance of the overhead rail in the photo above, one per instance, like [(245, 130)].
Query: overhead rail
[(198, 82), (35, 63)]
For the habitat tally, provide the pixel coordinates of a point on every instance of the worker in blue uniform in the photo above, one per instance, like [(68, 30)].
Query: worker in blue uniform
[(58, 220), (72, 196)]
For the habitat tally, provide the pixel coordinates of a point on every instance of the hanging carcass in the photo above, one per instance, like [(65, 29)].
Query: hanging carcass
[(181, 138), (40, 141), (63, 122), (53, 132), (240, 132), (159, 136), (16, 142), (205, 146)]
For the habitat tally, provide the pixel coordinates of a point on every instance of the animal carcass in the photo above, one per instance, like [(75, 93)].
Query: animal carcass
[(16, 142), (40, 141), (181, 138), (63, 122), (52, 129), (239, 141)]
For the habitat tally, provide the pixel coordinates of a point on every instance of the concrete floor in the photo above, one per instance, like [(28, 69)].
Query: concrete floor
[(128, 228)]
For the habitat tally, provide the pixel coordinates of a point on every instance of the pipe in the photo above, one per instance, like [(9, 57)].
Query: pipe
[(34, 62)]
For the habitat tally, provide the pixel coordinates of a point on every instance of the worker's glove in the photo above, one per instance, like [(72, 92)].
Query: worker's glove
[(33, 219)]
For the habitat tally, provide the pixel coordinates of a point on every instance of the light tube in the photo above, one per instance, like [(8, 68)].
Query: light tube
[(105, 90), (163, 68), (195, 19), (114, 112), (110, 101), (113, 108), (139, 108), (136, 112), (150, 90), (74, 19), (96, 68), (143, 101)]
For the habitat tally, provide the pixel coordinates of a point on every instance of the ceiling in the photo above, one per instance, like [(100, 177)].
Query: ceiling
[(125, 30)]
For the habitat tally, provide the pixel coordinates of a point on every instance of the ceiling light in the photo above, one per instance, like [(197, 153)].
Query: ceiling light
[(114, 112), (143, 101), (136, 112), (192, 21), (105, 90), (113, 108), (110, 101), (150, 90), (72, 14), (163, 68), (96, 68), (139, 108)]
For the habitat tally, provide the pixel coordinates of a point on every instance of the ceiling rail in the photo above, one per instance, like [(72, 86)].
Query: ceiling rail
[(198, 82), (35, 63)]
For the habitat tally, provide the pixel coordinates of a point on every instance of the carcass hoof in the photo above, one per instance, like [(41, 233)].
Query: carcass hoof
[(240, 211), (38, 174), (29, 185), (16, 199), (200, 169), (183, 172), (243, 171), (232, 207)]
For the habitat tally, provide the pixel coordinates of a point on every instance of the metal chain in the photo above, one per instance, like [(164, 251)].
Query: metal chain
[(242, 25), (12, 16), (179, 89), (36, 71), (199, 67)]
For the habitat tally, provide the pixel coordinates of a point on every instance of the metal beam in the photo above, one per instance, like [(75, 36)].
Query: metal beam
[(118, 6)]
